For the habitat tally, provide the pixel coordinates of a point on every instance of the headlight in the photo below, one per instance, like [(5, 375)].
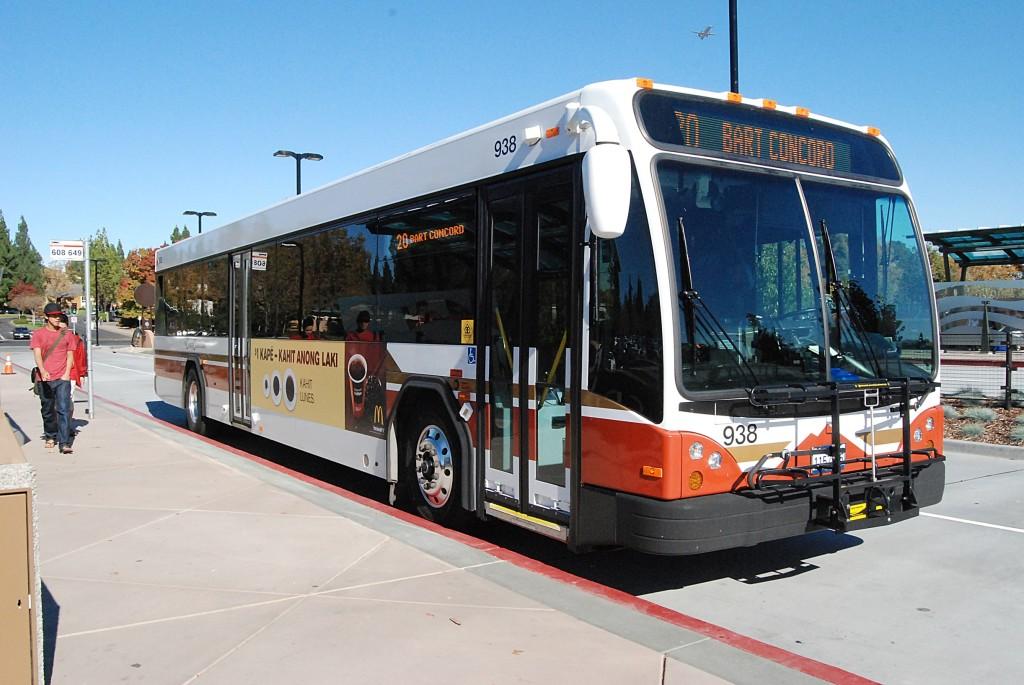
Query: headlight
[(696, 450), (918, 435), (929, 423), (715, 460)]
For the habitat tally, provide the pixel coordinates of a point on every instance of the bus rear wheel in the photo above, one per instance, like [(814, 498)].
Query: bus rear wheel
[(194, 404), (431, 460)]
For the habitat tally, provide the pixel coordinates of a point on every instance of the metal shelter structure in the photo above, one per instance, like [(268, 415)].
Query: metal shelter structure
[(979, 247)]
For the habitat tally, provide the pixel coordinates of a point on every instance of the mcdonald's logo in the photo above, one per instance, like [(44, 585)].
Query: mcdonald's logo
[(378, 415)]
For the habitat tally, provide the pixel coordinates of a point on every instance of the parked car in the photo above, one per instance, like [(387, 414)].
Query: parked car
[(22, 333), (11, 310)]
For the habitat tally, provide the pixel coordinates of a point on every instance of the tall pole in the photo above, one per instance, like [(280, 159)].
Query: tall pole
[(88, 318), (96, 289), (734, 58), (298, 175)]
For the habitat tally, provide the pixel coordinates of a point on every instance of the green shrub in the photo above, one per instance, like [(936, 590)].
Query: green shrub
[(980, 413), (1019, 420), (950, 413), (974, 430), (1017, 433)]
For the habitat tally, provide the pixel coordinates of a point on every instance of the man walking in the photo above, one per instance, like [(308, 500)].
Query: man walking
[(54, 351)]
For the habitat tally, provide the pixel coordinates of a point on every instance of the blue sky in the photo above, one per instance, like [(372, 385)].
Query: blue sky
[(124, 114)]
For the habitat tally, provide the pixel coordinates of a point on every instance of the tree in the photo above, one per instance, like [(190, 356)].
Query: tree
[(27, 263), (139, 268), (7, 278), (140, 265), (107, 270), (57, 283), (25, 297), (185, 232), (175, 234)]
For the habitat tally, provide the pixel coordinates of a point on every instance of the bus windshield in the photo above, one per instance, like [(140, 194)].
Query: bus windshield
[(750, 287), (883, 293)]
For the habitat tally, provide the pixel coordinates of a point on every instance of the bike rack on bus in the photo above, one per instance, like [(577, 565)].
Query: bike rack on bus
[(854, 498)]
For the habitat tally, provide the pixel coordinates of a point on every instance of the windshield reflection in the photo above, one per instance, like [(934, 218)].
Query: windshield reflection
[(750, 290), (884, 293), (753, 311)]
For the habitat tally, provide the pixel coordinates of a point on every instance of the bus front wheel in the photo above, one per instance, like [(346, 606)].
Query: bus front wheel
[(194, 404), (431, 460)]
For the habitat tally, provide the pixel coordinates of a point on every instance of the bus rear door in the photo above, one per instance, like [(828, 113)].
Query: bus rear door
[(238, 339)]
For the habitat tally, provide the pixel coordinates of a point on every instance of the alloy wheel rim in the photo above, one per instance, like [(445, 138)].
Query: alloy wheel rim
[(435, 470), (193, 402)]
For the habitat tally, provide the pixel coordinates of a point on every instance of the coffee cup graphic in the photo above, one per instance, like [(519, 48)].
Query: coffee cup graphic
[(357, 383)]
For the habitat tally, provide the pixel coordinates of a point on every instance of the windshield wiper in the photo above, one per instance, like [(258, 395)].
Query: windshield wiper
[(710, 326), (836, 290), (832, 285)]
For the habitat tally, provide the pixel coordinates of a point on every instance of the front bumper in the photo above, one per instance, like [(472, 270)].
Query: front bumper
[(704, 524)]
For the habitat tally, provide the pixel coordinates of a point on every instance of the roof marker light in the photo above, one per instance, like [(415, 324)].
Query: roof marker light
[(734, 97), (644, 83), (803, 112), (551, 132), (769, 104), (872, 131)]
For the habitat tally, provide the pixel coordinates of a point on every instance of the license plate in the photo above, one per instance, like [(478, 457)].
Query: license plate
[(825, 459)]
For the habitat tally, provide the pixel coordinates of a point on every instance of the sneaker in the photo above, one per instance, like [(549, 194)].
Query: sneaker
[(50, 444), (66, 449)]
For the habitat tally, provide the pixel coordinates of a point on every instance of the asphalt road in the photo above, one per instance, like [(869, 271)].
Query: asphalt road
[(931, 600), (110, 333)]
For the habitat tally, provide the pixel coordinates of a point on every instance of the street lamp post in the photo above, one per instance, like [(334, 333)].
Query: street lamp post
[(302, 274), (96, 295), (200, 215), (298, 157)]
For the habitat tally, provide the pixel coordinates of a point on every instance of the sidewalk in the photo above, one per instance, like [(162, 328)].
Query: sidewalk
[(166, 558)]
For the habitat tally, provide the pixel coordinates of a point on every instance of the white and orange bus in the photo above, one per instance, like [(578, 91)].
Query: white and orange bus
[(636, 315)]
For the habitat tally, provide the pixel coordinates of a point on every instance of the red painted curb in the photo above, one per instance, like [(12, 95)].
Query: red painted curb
[(817, 669)]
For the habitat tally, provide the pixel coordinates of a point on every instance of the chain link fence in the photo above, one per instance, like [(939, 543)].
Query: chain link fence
[(995, 377)]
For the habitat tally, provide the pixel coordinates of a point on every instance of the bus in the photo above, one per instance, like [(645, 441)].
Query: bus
[(638, 315)]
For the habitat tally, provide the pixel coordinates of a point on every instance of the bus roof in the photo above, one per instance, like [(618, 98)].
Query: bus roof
[(531, 136)]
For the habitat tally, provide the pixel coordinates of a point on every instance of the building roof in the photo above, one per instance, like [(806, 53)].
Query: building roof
[(981, 246)]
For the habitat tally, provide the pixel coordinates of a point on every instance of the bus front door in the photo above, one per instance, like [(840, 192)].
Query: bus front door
[(527, 321), (238, 339)]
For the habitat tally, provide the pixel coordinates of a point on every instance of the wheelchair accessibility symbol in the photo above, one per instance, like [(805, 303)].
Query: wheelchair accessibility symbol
[(471, 355)]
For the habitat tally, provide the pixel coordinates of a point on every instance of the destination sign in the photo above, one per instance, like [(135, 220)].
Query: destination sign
[(730, 130)]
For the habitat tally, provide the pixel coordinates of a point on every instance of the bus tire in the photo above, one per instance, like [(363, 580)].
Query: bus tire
[(430, 465), (194, 403)]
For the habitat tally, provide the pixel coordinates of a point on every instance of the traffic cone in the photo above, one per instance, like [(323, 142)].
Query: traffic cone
[(8, 367)]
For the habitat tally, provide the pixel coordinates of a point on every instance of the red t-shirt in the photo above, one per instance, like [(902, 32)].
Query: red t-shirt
[(361, 336), (56, 361)]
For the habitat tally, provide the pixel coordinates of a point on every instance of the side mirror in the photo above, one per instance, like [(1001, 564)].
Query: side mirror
[(606, 188)]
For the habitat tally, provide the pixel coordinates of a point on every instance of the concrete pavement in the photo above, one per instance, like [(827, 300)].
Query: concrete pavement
[(167, 558)]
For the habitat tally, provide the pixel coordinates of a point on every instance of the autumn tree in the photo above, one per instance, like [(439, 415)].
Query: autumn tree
[(56, 283), (25, 297)]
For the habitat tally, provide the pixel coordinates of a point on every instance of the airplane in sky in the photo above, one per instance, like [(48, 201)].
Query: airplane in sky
[(706, 33)]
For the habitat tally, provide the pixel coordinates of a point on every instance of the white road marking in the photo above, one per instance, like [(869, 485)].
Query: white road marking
[(973, 523), (122, 368)]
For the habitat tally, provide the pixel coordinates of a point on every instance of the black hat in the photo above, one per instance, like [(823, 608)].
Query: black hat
[(364, 316), (51, 308)]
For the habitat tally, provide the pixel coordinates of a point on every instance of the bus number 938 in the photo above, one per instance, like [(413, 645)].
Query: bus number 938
[(740, 435)]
